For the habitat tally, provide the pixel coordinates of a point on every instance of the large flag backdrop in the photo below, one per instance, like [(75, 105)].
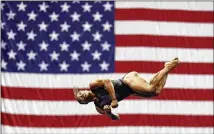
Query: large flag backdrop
[(47, 48)]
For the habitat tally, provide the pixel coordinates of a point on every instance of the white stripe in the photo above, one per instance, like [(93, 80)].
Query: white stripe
[(204, 6), (163, 28), (163, 54), (108, 130), (82, 81), (125, 107)]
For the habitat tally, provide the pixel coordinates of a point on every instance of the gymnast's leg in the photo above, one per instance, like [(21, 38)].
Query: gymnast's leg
[(139, 85), (159, 79)]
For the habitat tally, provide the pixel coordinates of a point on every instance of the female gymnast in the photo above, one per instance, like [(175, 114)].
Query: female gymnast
[(107, 93)]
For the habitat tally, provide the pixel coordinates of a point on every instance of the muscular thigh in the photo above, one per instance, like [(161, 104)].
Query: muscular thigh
[(136, 82)]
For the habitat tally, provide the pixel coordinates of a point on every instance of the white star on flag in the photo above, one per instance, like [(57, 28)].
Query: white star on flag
[(43, 26), (43, 7), (86, 66), (3, 44), (107, 26), (43, 46), (86, 7), (11, 15), (54, 36), (54, 56), (65, 26), (3, 64), (64, 66), (20, 65), (54, 17), (21, 46), (97, 36), (86, 46), (104, 66), (31, 55), (2, 25), (31, 35), (97, 16), (96, 55), (105, 46), (12, 54), (11, 35), (75, 36), (32, 16), (86, 26), (21, 6), (64, 46), (43, 66), (21, 26), (75, 16), (65, 7), (107, 6), (2, 6), (75, 56)]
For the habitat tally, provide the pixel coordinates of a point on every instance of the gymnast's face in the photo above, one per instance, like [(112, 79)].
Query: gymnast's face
[(83, 97)]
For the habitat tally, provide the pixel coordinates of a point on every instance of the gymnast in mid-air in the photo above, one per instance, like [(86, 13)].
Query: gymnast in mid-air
[(107, 93)]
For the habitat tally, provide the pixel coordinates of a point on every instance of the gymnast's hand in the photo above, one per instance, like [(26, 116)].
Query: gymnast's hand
[(107, 110), (114, 104)]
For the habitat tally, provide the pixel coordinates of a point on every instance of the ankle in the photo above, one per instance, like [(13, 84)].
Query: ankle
[(166, 69)]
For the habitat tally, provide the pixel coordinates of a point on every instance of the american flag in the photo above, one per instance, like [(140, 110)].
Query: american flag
[(50, 47)]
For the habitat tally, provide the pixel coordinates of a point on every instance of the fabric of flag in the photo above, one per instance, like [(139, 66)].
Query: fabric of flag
[(48, 48)]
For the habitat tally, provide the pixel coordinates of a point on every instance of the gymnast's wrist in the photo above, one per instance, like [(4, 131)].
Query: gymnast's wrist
[(114, 99)]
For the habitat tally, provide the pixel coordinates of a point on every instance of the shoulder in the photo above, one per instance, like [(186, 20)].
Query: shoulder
[(95, 83), (98, 83)]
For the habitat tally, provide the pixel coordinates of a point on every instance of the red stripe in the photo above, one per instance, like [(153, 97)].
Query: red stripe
[(164, 15), (100, 120), (67, 94), (153, 67), (164, 41)]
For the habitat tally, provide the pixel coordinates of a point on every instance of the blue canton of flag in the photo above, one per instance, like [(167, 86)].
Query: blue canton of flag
[(58, 37)]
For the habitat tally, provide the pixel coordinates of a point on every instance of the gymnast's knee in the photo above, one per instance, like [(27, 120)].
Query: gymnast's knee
[(134, 73)]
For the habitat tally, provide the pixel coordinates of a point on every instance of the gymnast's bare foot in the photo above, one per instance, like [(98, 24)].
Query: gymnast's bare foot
[(172, 64)]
